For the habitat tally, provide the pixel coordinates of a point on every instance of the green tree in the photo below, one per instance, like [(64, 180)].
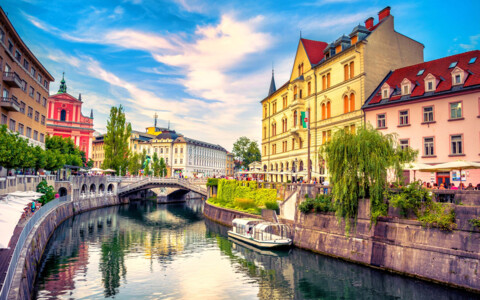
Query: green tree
[(40, 158), (358, 165), (65, 152), (156, 165), (163, 167), (134, 164), (116, 141), (246, 151)]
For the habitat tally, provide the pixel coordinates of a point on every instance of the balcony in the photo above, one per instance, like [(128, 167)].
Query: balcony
[(12, 79), (297, 129), (10, 104)]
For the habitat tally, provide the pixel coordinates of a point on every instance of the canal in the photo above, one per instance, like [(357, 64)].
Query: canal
[(150, 251)]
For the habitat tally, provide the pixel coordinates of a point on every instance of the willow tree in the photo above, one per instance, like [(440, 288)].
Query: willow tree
[(358, 165), (117, 141)]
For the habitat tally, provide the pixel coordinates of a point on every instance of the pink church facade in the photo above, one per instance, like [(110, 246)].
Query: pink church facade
[(65, 119), (433, 107)]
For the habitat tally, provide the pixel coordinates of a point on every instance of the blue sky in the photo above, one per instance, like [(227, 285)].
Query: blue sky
[(202, 65)]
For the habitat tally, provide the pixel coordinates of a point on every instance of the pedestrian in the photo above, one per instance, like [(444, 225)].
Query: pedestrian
[(33, 206), (470, 187), (453, 187)]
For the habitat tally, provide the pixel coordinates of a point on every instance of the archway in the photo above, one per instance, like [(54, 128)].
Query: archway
[(63, 115), (101, 189), (110, 188), (62, 192), (92, 188), (84, 189)]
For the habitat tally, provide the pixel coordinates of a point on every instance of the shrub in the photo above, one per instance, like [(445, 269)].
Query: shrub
[(47, 190), (271, 205), (212, 182), (410, 198), (475, 222), (252, 184), (307, 205), (265, 195), (438, 215), (322, 203), (244, 203)]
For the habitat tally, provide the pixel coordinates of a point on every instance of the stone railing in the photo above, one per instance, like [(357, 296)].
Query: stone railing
[(163, 181), (22, 183)]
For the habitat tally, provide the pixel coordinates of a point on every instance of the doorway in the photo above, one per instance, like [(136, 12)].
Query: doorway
[(443, 177)]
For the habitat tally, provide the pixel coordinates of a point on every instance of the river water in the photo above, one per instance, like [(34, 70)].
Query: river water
[(150, 251)]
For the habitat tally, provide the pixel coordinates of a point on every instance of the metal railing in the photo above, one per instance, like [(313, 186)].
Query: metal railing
[(177, 181), (37, 216)]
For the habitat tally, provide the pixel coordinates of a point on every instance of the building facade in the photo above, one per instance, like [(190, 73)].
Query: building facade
[(433, 107), (65, 119), (328, 85), (24, 86), (230, 165), (98, 152)]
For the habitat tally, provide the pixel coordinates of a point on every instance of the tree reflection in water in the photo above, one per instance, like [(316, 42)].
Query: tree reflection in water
[(112, 264)]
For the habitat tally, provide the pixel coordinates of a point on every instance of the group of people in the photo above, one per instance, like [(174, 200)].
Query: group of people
[(451, 186)]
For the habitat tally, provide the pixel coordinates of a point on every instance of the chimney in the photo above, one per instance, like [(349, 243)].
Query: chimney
[(383, 13), (369, 23)]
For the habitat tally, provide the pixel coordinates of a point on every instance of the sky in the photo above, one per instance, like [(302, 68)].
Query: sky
[(204, 66)]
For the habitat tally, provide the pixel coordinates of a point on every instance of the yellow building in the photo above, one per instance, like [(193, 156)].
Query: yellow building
[(98, 152), (331, 82)]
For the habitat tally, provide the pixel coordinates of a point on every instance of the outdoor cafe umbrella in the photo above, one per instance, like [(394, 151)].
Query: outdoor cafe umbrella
[(414, 166), (109, 170), (96, 170), (453, 166)]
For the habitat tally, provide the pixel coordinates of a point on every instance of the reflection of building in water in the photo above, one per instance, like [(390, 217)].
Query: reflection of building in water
[(58, 284)]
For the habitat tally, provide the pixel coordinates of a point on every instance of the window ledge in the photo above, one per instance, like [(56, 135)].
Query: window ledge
[(454, 155), (429, 156), (430, 122), (457, 119), (404, 125), (382, 128)]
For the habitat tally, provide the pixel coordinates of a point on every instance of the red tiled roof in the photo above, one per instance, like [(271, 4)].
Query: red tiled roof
[(314, 50), (440, 69)]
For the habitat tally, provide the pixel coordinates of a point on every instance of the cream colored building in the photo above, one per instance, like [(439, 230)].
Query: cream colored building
[(331, 82), (98, 152)]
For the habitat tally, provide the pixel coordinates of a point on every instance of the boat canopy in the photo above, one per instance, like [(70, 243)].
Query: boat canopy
[(246, 221), (267, 230)]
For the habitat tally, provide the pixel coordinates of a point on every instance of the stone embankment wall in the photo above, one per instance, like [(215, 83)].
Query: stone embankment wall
[(393, 244), (224, 216), (27, 268), (398, 245)]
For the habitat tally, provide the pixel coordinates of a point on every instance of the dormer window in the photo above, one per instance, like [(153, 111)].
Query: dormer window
[(458, 76), (384, 93), (429, 86), (430, 83), (406, 87)]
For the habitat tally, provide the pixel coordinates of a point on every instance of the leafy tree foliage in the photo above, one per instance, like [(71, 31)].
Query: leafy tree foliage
[(358, 164), (47, 190), (134, 164), (246, 151), (116, 141)]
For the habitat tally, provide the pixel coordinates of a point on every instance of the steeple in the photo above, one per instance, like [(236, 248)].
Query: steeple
[(80, 97), (63, 86), (272, 86), (155, 116), (91, 114)]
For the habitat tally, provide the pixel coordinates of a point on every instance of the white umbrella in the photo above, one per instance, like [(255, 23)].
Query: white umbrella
[(453, 165), (415, 166), (96, 170), (109, 170)]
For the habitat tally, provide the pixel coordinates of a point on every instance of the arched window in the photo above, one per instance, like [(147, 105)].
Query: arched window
[(295, 119), (295, 92), (63, 115), (328, 110), (345, 104), (352, 102), (324, 112), (300, 167)]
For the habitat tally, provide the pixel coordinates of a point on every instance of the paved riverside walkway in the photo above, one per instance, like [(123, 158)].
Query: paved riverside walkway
[(6, 254)]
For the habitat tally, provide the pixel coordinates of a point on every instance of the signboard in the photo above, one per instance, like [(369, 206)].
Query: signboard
[(304, 116)]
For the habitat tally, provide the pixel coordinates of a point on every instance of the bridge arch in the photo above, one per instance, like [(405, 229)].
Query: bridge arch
[(101, 189), (93, 188), (84, 189), (62, 191), (110, 188)]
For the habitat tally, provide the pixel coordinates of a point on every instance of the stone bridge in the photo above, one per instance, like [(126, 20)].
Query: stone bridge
[(183, 185)]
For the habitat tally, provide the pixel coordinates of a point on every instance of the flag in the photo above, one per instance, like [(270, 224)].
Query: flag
[(304, 115)]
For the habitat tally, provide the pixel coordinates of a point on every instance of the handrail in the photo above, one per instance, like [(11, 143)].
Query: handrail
[(181, 182), (42, 211)]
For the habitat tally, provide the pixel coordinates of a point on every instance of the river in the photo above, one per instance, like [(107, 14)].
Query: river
[(147, 251)]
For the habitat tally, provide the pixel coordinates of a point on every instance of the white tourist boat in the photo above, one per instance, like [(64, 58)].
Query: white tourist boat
[(260, 233)]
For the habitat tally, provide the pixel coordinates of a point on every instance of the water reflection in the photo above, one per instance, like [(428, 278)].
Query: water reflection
[(144, 250)]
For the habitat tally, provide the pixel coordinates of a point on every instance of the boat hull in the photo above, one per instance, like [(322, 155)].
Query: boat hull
[(260, 244)]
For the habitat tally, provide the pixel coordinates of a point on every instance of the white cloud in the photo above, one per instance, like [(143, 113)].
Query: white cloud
[(192, 5), (473, 42)]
